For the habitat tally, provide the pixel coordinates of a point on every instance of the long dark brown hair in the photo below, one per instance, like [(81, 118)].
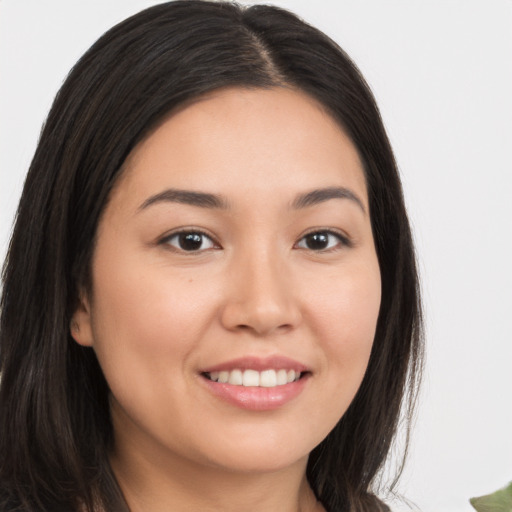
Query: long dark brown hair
[(55, 429)]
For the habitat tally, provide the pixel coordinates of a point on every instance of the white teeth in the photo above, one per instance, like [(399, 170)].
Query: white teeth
[(235, 378), (282, 377), (268, 379), (252, 378)]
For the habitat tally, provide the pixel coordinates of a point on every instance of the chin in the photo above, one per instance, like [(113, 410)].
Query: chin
[(259, 454), (258, 463)]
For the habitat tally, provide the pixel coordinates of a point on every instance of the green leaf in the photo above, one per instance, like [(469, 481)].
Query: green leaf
[(499, 501)]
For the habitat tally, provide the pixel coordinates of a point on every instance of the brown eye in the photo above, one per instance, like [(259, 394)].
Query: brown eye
[(321, 241), (190, 241)]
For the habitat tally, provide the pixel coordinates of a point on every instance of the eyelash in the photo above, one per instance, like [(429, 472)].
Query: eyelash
[(188, 232), (342, 240)]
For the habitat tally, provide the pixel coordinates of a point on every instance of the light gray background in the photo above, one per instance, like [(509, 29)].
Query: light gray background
[(442, 73)]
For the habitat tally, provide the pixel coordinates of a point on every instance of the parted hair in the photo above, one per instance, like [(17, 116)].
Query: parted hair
[(55, 427)]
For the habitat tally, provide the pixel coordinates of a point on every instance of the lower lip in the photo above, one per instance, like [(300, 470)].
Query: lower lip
[(257, 398)]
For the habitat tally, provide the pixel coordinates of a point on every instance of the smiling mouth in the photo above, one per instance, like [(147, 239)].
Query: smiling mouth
[(252, 378), (257, 384)]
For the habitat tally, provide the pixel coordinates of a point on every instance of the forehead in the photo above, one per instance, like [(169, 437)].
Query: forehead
[(242, 141)]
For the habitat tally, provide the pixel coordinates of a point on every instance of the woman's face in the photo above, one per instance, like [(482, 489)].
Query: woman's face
[(235, 247)]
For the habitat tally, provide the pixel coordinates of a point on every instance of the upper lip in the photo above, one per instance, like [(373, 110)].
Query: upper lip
[(260, 364)]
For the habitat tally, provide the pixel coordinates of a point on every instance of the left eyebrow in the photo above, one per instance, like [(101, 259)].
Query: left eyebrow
[(190, 197), (321, 195)]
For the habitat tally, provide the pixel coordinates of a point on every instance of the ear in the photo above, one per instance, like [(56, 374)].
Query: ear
[(81, 325)]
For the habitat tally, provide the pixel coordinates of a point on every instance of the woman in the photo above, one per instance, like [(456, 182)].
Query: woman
[(210, 298)]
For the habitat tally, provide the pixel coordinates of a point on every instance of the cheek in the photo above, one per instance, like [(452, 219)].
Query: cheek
[(143, 328), (144, 335), (144, 305), (346, 317), (346, 303)]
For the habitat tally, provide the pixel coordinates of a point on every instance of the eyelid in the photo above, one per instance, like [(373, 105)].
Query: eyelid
[(344, 239), (164, 239)]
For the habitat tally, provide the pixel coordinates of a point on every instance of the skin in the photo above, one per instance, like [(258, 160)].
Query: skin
[(158, 315)]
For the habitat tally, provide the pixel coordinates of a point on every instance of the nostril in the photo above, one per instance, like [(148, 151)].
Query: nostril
[(261, 313), (264, 330)]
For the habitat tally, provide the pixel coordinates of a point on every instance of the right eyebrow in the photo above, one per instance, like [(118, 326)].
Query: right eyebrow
[(321, 195), (190, 197)]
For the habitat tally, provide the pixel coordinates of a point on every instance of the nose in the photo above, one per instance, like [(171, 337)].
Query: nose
[(260, 297)]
